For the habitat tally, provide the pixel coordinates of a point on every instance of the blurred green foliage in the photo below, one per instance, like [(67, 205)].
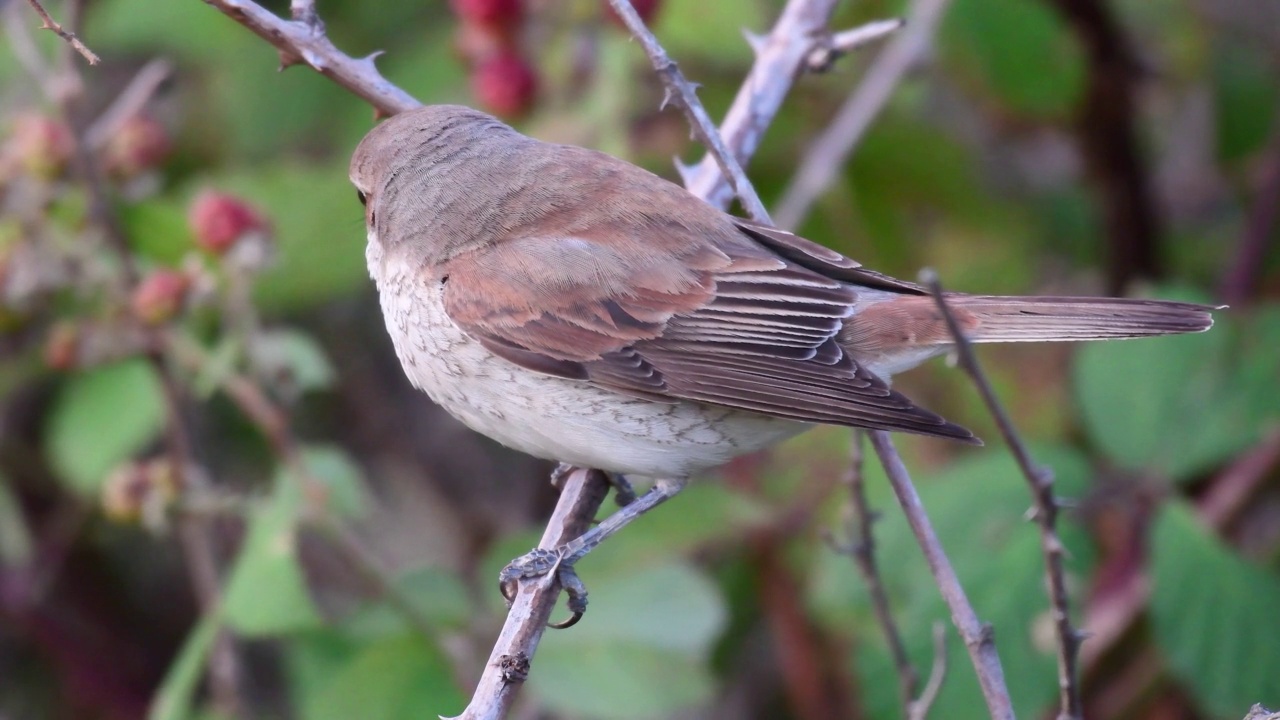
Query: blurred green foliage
[(971, 169)]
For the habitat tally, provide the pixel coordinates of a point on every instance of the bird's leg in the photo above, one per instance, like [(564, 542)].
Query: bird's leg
[(623, 493), (540, 562)]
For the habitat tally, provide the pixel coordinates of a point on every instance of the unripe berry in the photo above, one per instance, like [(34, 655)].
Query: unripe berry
[(62, 346), (137, 491), (160, 296), (139, 145), (219, 221), (39, 145), (505, 85)]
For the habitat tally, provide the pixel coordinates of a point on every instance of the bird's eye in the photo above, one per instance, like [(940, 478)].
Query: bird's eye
[(364, 199)]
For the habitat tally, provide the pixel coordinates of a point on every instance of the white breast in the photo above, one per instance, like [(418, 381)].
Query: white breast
[(551, 417)]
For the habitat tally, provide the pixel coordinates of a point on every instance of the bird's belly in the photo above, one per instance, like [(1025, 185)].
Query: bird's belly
[(557, 418)]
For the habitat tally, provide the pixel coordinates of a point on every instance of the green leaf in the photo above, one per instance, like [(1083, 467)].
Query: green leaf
[(977, 507), (333, 468), (1215, 617), (647, 628), (1180, 405), (172, 700), (435, 592), (292, 358), (157, 229), (1245, 99), (101, 418), (1019, 49), (398, 678), (266, 591)]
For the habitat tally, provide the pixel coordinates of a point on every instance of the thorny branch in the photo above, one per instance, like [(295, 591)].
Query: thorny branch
[(681, 92), (48, 23), (829, 152), (791, 47), (302, 40), (1040, 478), (979, 637), (861, 547)]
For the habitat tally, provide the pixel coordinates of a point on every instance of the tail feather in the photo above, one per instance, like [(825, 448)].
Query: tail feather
[(1034, 319)]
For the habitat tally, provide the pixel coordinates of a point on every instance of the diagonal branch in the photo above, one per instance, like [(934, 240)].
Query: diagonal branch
[(681, 92), (780, 58), (862, 548), (303, 40), (829, 152), (1040, 478), (979, 637), (48, 23)]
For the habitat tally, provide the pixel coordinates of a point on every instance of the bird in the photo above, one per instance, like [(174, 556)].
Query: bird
[(576, 307)]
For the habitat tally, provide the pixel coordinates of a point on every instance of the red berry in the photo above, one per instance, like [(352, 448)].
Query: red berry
[(646, 9), (505, 84), (140, 144), (489, 12), (474, 41), (219, 221), (160, 296)]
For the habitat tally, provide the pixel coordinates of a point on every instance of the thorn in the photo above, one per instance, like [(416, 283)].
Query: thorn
[(668, 98), (288, 60), (380, 114), (928, 276), (755, 40)]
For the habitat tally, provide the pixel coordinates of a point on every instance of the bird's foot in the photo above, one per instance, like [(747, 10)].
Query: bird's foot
[(541, 562), (558, 564)]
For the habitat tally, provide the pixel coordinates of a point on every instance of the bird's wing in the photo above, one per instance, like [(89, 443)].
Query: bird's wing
[(727, 323)]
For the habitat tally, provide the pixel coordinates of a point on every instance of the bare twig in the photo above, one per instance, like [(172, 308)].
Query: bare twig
[(128, 103), (580, 498), (1040, 478), (979, 637), (48, 23), (780, 58), (303, 41), (681, 92), (861, 547), (919, 709), (842, 43), (828, 153)]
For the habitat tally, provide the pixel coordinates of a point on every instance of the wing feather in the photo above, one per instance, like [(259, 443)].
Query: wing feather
[(710, 316)]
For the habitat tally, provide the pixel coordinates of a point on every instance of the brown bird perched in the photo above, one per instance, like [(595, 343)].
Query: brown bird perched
[(578, 308)]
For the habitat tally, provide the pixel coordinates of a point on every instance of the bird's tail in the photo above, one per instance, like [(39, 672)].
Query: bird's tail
[(1038, 319)]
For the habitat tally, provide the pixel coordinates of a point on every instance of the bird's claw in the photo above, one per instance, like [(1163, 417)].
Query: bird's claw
[(541, 562)]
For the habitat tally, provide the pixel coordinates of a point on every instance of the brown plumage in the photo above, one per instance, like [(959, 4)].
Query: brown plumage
[(584, 273)]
